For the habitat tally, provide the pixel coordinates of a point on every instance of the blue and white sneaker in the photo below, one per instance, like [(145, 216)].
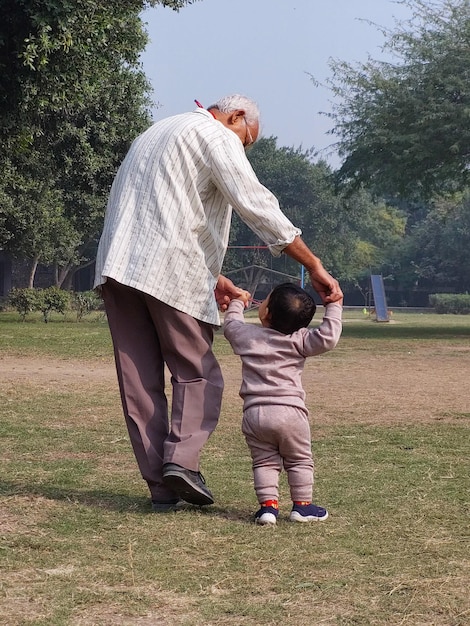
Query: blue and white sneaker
[(308, 513), (266, 516)]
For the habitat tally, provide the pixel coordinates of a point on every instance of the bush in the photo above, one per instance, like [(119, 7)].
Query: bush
[(27, 300), (24, 301), (84, 302), (456, 303), (52, 299)]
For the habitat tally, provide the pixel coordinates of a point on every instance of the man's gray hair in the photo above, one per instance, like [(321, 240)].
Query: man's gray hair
[(228, 104)]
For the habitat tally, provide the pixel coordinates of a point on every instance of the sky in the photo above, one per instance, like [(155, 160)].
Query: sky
[(267, 50)]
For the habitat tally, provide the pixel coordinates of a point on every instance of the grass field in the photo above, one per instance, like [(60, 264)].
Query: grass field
[(390, 411)]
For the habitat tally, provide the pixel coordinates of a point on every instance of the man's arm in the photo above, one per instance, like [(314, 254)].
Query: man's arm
[(324, 284)]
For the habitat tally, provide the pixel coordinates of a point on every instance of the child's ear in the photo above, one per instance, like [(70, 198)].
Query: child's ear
[(267, 315)]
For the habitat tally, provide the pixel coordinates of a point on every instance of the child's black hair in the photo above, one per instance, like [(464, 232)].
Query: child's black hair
[(290, 308)]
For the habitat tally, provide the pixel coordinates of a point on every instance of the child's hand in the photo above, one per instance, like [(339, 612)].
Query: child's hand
[(245, 297)]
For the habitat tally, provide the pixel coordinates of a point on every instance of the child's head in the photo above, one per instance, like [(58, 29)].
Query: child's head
[(287, 308)]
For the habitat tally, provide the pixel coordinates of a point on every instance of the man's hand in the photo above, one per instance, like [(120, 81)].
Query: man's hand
[(325, 285), (225, 291)]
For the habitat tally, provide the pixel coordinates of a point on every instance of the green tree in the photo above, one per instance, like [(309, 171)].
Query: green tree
[(32, 219), (435, 254), (72, 98), (404, 127)]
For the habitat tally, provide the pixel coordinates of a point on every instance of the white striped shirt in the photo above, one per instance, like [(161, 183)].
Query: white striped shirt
[(168, 217)]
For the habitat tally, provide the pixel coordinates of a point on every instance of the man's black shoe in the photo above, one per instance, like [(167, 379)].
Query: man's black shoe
[(189, 485)]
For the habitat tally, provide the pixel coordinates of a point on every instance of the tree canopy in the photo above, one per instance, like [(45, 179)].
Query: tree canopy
[(72, 98), (404, 127), (435, 254)]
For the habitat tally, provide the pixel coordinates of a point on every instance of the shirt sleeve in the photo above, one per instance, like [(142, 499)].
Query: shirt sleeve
[(326, 336), (254, 203)]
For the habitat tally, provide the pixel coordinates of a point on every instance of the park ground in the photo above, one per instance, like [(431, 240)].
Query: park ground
[(389, 409)]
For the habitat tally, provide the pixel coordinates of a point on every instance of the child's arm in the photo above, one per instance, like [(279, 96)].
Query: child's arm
[(234, 322), (235, 311), (326, 336)]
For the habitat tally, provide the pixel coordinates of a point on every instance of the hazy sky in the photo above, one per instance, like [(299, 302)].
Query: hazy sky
[(265, 49)]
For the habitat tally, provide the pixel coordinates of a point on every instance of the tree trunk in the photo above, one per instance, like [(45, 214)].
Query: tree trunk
[(65, 275), (32, 272), (68, 272)]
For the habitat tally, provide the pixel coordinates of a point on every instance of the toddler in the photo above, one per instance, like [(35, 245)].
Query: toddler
[(275, 418)]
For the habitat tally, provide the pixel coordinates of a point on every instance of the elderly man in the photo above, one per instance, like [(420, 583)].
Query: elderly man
[(158, 267)]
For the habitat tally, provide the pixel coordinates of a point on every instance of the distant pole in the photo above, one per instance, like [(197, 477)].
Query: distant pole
[(302, 276)]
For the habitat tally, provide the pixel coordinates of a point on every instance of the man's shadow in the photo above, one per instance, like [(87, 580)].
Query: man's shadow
[(113, 501)]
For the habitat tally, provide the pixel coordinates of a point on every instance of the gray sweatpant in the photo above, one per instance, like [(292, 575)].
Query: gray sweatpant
[(147, 334), (279, 437)]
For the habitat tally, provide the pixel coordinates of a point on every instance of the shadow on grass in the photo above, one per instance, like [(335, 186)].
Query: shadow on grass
[(112, 501), (101, 499)]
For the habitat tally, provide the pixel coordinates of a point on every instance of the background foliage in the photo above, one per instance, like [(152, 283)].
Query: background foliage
[(403, 127), (73, 96)]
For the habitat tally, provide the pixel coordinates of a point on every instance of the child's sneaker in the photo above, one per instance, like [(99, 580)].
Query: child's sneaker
[(266, 516), (308, 513)]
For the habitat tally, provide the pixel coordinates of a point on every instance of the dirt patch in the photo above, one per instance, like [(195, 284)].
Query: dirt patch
[(35, 370), (426, 384)]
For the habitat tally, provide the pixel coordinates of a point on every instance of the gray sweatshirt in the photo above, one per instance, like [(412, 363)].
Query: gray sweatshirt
[(272, 363)]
